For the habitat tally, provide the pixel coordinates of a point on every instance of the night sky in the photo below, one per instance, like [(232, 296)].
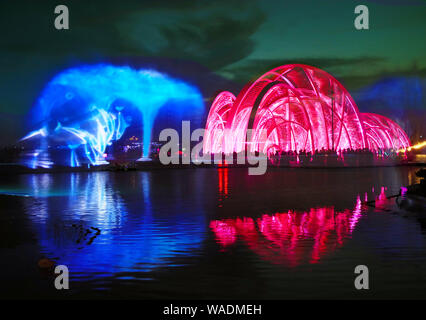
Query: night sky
[(231, 42)]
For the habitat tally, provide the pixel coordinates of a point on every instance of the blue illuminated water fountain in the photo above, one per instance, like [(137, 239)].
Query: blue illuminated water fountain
[(87, 108)]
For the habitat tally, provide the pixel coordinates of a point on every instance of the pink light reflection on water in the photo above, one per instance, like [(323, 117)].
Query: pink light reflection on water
[(381, 201), (291, 238)]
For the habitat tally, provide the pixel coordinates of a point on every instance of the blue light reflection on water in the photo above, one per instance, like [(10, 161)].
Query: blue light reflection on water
[(135, 235)]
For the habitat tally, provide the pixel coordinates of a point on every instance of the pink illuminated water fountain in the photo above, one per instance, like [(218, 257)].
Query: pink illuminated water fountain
[(296, 107)]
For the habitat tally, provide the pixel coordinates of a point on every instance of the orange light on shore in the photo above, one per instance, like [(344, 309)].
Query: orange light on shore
[(416, 146)]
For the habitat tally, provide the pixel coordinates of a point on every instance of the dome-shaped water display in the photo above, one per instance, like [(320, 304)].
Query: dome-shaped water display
[(296, 107)]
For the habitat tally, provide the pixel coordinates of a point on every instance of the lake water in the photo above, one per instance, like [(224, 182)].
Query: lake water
[(212, 233)]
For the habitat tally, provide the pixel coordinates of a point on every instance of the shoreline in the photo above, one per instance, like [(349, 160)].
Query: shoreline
[(16, 169)]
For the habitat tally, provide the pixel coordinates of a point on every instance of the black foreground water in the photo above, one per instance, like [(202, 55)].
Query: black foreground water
[(211, 233)]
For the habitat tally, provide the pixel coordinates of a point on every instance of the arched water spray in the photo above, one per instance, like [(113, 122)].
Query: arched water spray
[(85, 109)]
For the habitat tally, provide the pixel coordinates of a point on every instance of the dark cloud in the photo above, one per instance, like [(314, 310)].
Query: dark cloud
[(253, 68), (214, 33), (354, 82)]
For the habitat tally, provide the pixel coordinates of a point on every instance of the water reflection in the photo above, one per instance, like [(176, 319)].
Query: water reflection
[(149, 222), (222, 184), (297, 237), (382, 201), (291, 238), (99, 224)]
